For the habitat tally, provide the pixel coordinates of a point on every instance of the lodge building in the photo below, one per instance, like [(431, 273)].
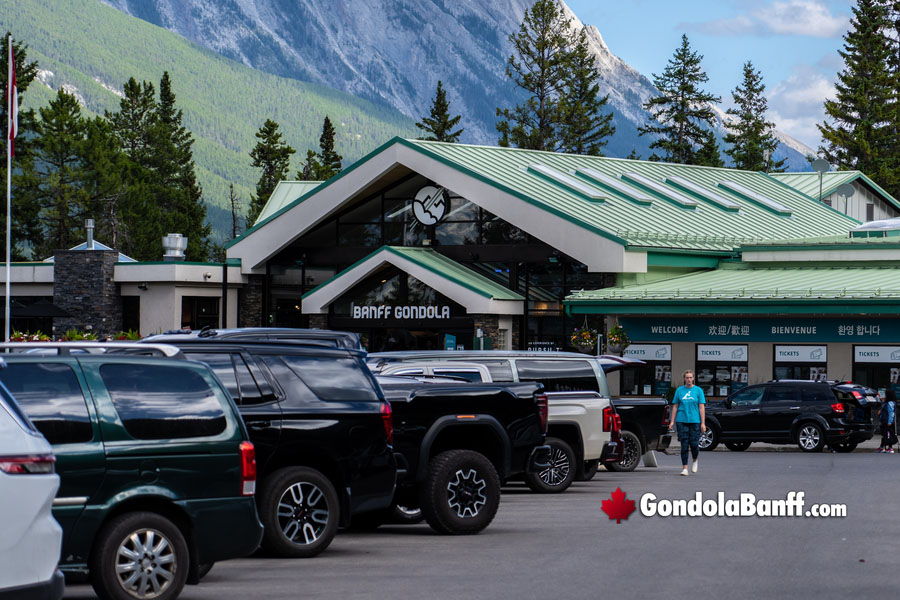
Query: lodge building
[(743, 276)]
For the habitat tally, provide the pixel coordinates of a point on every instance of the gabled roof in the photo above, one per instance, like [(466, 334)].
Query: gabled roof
[(808, 183), (605, 212), (462, 285), (283, 194)]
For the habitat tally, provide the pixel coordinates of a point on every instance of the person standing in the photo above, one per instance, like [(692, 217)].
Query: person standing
[(689, 414), (889, 422)]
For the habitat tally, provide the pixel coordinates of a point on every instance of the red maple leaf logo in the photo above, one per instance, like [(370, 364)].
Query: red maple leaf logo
[(617, 507)]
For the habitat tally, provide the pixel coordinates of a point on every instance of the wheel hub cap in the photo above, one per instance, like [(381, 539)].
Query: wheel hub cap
[(465, 493), (558, 470), (303, 513), (145, 564)]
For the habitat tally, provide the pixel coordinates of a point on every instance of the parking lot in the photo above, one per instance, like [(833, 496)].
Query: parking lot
[(564, 546)]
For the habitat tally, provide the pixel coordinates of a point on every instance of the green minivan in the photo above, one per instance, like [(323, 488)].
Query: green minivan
[(157, 471)]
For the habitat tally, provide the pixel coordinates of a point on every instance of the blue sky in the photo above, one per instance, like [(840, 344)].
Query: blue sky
[(793, 43)]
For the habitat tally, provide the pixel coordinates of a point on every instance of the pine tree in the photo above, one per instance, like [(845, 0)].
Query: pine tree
[(329, 160), (175, 171), (860, 129), (708, 155), (235, 211), (135, 122), (52, 189), (681, 113), (539, 66), (106, 170), (584, 129), (439, 126), (310, 168), (273, 156), (751, 138)]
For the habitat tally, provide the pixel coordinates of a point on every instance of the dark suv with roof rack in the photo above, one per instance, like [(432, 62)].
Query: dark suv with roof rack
[(807, 413), (309, 337)]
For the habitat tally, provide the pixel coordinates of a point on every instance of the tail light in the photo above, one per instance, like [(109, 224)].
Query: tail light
[(543, 410), (612, 422), (837, 407), (667, 414), (27, 465), (388, 421), (248, 469)]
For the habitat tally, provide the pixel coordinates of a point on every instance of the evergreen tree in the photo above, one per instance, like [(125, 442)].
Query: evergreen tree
[(751, 138), (235, 211), (539, 66), (106, 169), (708, 155), (52, 191), (273, 156), (681, 113), (633, 155), (329, 160), (860, 129), (135, 123), (439, 126), (584, 129), (311, 167), (175, 173)]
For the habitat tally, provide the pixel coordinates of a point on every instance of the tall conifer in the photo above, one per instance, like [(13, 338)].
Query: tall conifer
[(438, 127), (751, 138), (681, 113), (273, 156), (583, 128)]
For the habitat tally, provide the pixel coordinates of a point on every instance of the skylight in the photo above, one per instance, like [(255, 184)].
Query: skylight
[(567, 181), (763, 201), (716, 199), (616, 185), (666, 192)]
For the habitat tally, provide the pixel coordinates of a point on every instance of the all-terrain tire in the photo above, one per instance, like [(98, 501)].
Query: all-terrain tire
[(461, 493)]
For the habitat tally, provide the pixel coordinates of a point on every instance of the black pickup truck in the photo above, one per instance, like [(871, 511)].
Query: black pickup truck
[(456, 444)]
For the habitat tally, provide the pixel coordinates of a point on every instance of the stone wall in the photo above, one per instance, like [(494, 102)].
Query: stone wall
[(318, 321), (84, 286), (250, 300), (489, 325)]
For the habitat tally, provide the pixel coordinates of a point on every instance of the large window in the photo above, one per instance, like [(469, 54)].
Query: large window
[(651, 379), (721, 369), (801, 362)]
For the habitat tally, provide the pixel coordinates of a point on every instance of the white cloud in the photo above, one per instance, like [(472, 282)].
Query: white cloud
[(796, 104), (810, 18)]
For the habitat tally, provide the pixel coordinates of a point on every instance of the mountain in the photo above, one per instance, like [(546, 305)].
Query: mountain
[(224, 102), (394, 51)]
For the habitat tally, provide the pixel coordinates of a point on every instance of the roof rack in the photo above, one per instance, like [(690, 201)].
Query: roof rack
[(65, 348)]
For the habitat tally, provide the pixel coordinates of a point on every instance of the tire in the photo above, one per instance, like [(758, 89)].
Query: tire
[(737, 446), (300, 512), (844, 447), (203, 569), (710, 439), (588, 470), (632, 456), (139, 555), (404, 515), (810, 437), (559, 475), (461, 493)]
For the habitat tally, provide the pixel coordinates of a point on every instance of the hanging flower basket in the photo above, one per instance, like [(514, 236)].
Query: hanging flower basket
[(584, 339), (616, 340)]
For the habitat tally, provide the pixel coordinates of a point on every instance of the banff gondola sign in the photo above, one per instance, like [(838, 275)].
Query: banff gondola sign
[(386, 311)]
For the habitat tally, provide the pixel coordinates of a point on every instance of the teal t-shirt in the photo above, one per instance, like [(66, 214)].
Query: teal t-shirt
[(688, 401)]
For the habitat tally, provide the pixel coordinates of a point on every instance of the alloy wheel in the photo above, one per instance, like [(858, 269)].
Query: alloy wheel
[(303, 513), (809, 437), (145, 563), (466, 493), (559, 468)]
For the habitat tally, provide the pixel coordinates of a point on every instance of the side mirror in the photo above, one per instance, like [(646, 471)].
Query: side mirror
[(727, 402)]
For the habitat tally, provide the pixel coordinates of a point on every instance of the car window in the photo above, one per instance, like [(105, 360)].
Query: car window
[(232, 369), (51, 396), (559, 375), (158, 402), (748, 397), (339, 379), (469, 375), (408, 372), (222, 366), (9, 404), (819, 393), (783, 394), (500, 370)]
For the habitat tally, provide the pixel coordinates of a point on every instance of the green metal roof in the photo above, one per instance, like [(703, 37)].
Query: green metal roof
[(739, 281), (697, 215), (285, 193), (808, 183), (822, 243), (437, 263)]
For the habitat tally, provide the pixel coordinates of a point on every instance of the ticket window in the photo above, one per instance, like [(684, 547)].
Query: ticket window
[(801, 362), (877, 367), (721, 369), (652, 379)]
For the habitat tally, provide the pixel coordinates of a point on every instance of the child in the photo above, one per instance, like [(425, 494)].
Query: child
[(889, 422)]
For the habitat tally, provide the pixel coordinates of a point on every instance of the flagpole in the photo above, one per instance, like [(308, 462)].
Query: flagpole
[(9, 118)]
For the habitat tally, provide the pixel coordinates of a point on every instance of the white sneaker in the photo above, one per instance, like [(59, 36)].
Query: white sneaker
[(694, 465), (684, 472)]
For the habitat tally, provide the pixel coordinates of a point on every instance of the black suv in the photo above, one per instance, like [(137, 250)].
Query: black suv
[(807, 413), (157, 473), (320, 424)]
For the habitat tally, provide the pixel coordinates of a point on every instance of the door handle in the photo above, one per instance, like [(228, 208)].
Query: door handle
[(259, 425), (754, 410), (795, 408)]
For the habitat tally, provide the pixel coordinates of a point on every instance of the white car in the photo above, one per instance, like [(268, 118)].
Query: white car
[(31, 539)]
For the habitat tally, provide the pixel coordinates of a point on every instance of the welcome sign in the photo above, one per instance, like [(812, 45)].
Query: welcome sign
[(785, 330)]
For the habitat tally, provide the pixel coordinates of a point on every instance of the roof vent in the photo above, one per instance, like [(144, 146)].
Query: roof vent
[(568, 182), (616, 185), (89, 227), (776, 207), (710, 196), (666, 192), (880, 228), (174, 244)]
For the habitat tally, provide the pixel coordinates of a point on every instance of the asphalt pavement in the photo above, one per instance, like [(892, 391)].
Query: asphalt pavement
[(563, 546)]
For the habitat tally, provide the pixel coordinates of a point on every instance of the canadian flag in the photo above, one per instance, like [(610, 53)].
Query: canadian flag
[(12, 101)]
